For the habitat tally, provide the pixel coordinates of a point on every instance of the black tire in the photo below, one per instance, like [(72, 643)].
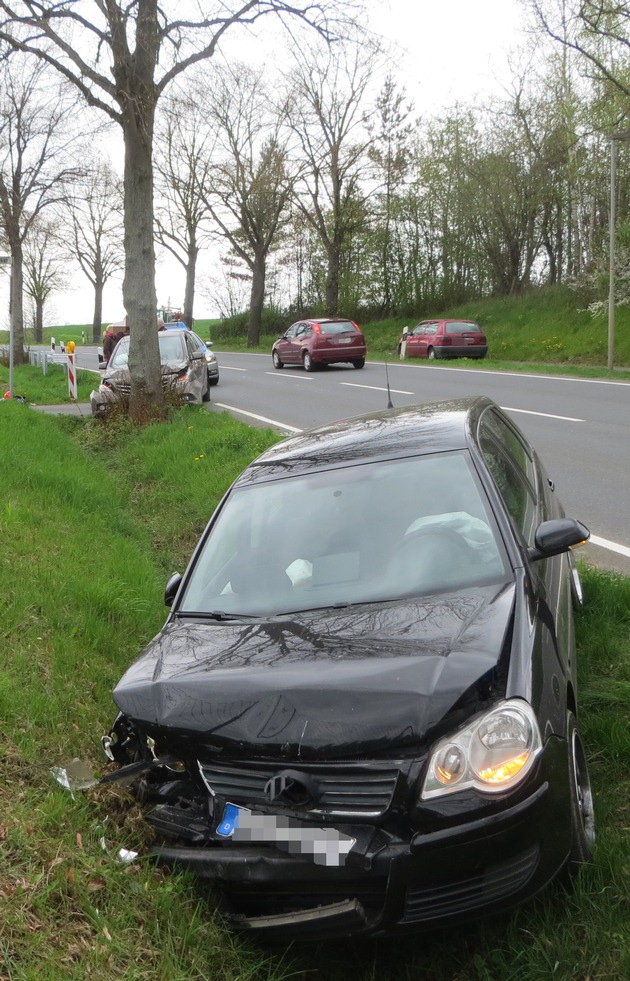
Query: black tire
[(580, 801), (359, 363), (431, 354), (307, 361), (213, 381), (275, 357)]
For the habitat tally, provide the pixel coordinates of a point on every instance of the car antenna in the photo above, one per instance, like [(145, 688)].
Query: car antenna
[(390, 404)]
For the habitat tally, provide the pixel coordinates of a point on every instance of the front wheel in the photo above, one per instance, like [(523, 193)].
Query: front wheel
[(580, 800), (307, 361), (359, 363), (275, 357)]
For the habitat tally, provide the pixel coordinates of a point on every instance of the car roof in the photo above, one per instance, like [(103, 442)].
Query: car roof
[(413, 430)]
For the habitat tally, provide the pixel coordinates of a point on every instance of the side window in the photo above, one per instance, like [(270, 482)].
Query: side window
[(292, 331), (517, 494), (430, 329), (512, 445)]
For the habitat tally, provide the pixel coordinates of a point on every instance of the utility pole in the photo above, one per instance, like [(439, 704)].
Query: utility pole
[(615, 138)]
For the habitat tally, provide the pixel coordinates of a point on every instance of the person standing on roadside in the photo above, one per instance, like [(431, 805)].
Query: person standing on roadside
[(110, 340)]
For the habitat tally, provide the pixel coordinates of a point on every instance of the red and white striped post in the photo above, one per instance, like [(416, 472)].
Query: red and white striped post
[(72, 376)]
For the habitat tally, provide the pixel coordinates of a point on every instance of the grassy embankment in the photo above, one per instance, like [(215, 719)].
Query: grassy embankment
[(545, 330), (92, 523)]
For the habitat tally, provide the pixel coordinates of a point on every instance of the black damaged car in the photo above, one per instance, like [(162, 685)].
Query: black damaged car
[(361, 713)]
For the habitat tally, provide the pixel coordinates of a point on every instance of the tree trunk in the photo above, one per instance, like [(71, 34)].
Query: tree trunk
[(16, 303), (139, 297), (97, 322), (257, 299), (332, 280), (191, 273), (38, 326)]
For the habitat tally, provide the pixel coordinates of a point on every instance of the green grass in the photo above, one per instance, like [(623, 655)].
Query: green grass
[(92, 522), (46, 389)]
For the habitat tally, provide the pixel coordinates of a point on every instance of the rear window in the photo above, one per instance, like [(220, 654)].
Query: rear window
[(463, 327), (340, 327)]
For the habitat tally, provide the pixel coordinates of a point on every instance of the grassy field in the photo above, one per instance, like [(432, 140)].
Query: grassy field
[(93, 521)]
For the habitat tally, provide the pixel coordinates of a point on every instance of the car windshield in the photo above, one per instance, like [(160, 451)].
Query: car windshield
[(339, 327), (361, 534), (171, 349)]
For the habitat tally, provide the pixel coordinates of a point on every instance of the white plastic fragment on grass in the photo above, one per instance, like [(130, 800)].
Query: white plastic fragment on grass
[(75, 776)]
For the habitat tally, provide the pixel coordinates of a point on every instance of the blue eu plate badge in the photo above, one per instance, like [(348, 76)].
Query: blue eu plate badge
[(229, 822)]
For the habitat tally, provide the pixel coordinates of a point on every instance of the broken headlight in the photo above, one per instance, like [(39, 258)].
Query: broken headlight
[(493, 753)]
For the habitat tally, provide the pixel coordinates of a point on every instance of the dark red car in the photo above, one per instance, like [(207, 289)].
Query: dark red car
[(329, 340), (445, 339)]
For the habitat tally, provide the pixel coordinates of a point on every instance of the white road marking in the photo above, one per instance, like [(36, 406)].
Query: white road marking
[(507, 374), (547, 415), (376, 388), (253, 415), (229, 367), (611, 546), (281, 374)]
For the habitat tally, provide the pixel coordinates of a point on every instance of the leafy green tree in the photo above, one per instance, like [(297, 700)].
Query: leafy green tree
[(389, 151)]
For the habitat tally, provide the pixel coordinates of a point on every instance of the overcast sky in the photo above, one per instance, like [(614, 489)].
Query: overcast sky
[(443, 53)]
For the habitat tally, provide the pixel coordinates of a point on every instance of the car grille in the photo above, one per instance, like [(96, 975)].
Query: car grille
[(343, 790), (488, 886)]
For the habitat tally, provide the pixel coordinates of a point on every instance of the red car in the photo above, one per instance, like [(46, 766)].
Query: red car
[(445, 339), (329, 340)]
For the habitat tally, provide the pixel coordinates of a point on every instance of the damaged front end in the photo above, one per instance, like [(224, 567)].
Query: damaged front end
[(331, 848)]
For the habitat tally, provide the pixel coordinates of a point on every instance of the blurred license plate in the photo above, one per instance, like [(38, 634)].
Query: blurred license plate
[(344, 340), (325, 846)]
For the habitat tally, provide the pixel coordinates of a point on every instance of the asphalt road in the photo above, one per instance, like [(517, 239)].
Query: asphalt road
[(580, 427)]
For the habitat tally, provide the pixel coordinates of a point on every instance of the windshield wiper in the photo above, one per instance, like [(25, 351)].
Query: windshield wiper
[(213, 615)]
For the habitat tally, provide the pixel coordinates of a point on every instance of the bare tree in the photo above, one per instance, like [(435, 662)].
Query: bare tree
[(44, 263), (183, 167), (251, 183), (95, 237), (598, 30), (35, 163), (122, 57), (327, 119)]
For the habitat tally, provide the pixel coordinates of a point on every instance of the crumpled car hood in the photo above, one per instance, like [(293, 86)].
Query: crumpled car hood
[(319, 685)]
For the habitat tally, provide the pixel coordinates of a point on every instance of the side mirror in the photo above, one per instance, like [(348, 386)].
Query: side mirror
[(557, 536), (171, 588), (208, 343)]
